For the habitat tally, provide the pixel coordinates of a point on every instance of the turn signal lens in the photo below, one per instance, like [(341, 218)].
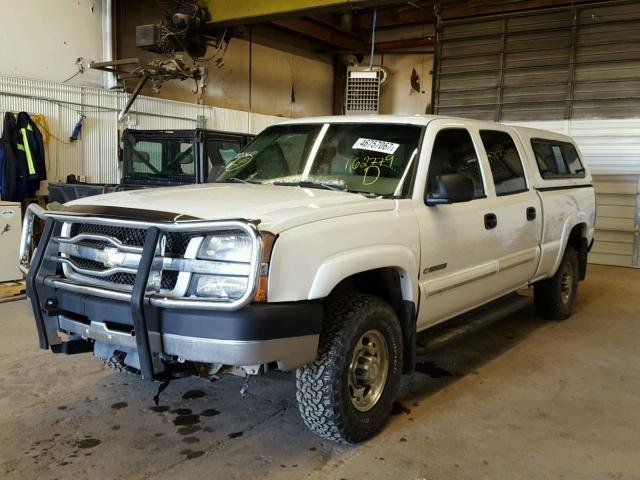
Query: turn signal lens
[(268, 241)]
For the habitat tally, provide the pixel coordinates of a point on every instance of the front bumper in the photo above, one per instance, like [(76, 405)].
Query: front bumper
[(152, 327), (257, 334)]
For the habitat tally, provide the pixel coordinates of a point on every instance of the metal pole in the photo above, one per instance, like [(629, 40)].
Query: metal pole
[(132, 98)]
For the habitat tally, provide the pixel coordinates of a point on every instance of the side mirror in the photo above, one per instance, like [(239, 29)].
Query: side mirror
[(451, 188)]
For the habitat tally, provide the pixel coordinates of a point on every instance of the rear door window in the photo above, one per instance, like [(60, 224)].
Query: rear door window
[(557, 159), (504, 160)]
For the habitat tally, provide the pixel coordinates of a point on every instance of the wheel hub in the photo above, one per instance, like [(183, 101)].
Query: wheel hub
[(368, 370), (566, 284)]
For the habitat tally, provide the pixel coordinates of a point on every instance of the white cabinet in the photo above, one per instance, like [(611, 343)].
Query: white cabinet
[(10, 226)]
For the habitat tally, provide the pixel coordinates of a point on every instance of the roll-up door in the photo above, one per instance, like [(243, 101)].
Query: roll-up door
[(574, 62)]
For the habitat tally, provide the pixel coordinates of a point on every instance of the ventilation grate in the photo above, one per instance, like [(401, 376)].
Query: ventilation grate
[(362, 91)]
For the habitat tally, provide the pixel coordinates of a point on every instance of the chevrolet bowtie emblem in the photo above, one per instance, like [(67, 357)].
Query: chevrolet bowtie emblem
[(111, 257)]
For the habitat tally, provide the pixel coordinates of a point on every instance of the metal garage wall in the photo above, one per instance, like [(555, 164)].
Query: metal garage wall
[(617, 223), (570, 62), (94, 155), (575, 70)]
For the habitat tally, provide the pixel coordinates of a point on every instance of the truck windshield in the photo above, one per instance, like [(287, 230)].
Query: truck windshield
[(372, 158), (163, 158)]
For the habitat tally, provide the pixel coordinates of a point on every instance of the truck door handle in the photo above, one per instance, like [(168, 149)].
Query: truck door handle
[(490, 221), (531, 214)]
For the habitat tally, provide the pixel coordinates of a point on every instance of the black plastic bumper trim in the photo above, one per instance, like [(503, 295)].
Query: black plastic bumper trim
[(258, 321)]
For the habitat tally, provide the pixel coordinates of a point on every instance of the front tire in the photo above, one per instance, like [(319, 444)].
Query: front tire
[(554, 297), (347, 393)]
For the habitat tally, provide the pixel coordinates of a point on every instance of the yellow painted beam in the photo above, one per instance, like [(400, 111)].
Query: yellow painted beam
[(251, 11)]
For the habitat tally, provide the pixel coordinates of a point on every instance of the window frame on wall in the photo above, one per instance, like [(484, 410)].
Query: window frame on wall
[(522, 173)]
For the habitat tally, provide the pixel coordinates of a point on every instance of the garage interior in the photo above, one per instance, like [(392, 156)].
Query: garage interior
[(497, 397)]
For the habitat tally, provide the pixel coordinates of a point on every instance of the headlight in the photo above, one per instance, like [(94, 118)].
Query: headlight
[(234, 247), (218, 286)]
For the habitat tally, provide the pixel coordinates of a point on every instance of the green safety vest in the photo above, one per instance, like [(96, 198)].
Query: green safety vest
[(24, 146)]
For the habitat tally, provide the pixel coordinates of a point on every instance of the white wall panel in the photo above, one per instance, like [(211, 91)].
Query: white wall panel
[(95, 154)]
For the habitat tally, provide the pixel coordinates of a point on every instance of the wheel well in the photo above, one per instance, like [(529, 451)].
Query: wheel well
[(578, 240), (385, 283)]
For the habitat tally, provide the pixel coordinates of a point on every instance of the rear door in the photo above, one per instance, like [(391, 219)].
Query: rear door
[(516, 206)]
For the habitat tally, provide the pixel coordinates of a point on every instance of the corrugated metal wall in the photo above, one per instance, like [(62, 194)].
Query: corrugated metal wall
[(570, 62), (94, 155), (617, 224), (574, 70)]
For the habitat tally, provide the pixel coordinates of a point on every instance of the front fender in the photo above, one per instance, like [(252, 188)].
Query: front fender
[(336, 268)]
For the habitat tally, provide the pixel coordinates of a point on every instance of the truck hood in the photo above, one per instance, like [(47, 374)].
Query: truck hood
[(277, 208)]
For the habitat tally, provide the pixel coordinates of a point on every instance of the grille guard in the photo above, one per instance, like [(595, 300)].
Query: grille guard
[(158, 263), (42, 281)]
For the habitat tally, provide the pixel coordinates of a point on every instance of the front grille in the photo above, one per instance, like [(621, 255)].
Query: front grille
[(176, 242), (169, 280), (87, 264), (129, 236), (175, 246), (118, 278)]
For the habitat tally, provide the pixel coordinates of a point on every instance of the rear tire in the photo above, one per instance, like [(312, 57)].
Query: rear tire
[(554, 297), (347, 393)]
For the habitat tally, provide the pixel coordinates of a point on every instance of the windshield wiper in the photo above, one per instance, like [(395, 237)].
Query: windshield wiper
[(367, 194), (310, 184), (239, 180)]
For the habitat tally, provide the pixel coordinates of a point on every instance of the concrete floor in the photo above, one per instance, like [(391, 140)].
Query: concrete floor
[(517, 398)]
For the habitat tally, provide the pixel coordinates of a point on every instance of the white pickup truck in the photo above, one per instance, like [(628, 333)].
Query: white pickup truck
[(324, 246)]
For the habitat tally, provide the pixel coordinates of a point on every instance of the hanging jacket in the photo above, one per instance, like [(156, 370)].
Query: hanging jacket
[(1, 167), (14, 176), (31, 150)]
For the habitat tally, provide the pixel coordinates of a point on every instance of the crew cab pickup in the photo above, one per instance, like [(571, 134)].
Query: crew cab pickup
[(323, 247)]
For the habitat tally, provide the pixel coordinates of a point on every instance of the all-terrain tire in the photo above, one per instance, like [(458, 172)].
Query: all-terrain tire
[(323, 389), (554, 297)]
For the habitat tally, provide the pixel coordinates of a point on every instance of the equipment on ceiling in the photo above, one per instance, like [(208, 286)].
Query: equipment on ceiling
[(182, 33), (182, 30), (362, 92)]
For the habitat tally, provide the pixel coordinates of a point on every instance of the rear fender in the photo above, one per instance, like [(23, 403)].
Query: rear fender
[(576, 219)]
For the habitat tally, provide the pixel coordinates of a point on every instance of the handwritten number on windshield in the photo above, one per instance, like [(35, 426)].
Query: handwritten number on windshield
[(371, 167)]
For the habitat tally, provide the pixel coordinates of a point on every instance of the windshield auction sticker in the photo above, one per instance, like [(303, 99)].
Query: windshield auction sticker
[(375, 146)]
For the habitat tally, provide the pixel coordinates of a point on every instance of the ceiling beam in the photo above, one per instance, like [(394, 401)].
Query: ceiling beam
[(237, 12), (382, 47), (336, 38), (477, 8), (394, 17)]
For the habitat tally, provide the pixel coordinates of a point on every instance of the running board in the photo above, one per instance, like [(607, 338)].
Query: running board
[(466, 323)]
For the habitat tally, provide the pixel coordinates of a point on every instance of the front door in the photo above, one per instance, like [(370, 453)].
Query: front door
[(460, 241)]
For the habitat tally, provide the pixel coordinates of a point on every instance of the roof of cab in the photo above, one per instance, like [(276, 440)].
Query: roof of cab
[(418, 119), (422, 119)]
